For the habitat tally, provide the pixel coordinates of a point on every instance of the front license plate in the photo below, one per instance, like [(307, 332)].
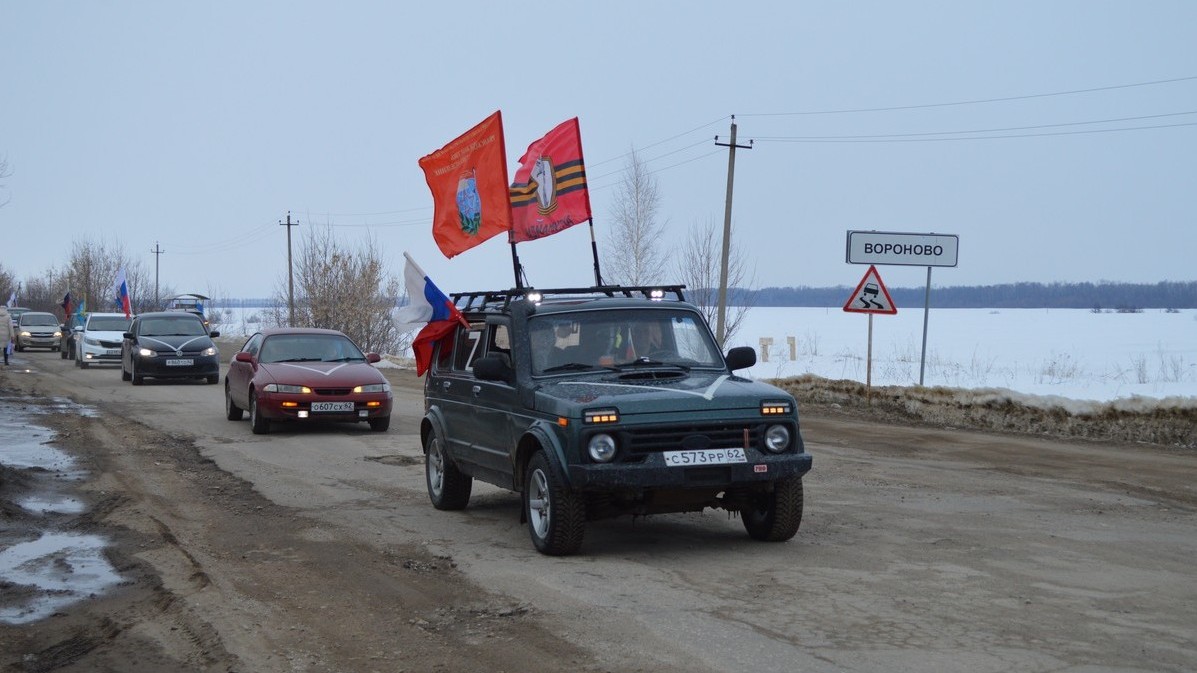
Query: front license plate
[(704, 457), (112, 352), (332, 406), (180, 362)]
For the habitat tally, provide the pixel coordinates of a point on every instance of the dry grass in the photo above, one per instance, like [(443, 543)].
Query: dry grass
[(1169, 423)]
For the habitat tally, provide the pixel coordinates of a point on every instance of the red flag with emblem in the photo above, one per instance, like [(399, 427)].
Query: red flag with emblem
[(549, 191)]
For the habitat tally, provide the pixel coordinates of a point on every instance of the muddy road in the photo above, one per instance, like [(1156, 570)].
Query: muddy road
[(317, 550)]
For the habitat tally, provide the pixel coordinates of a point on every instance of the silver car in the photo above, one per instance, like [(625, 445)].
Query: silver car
[(38, 330)]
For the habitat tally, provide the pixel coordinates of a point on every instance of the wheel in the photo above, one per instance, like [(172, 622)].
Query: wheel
[(212, 380), (137, 378), (259, 423), (556, 515), (81, 364), (72, 354), (62, 353), (231, 410), (776, 515), (380, 424), (19, 348), (448, 487)]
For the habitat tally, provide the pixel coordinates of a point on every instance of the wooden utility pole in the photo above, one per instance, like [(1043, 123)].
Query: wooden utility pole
[(290, 276), (720, 328), (157, 254)]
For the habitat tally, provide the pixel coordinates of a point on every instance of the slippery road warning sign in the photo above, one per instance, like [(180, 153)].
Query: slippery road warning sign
[(871, 296)]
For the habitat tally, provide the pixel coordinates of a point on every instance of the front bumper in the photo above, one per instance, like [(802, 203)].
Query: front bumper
[(157, 367), (653, 473), (38, 341), (276, 407)]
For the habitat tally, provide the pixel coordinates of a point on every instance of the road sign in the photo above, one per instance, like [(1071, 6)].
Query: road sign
[(902, 249), (871, 296)]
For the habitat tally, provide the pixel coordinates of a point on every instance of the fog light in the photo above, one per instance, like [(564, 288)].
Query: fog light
[(302, 414), (602, 448)]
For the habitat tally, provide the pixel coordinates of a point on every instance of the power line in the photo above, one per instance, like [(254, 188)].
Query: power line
[(1001, 137), (977, 101)]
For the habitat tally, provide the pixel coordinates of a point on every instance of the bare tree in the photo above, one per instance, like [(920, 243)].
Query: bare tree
[(4, 174), (344, 289), (91, 273), (635, 255), (698, 268)]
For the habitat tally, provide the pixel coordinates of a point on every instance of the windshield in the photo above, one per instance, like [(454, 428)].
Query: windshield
[(623, 337), (189, 326), (38, 319), (309, 348), (108, 324)]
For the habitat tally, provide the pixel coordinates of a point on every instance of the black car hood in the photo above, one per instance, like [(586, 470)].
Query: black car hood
[(175, 344), (696, 390)]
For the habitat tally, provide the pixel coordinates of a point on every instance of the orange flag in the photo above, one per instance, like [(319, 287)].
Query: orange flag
[(468, 179)]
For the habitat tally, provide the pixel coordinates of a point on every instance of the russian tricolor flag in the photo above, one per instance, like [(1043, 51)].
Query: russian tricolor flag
[(121, 288), (428, 309)]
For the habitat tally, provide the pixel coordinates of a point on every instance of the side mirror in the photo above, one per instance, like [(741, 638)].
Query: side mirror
[(373, 357), (214, 334), (127, 335), (242, 356), (741, 357), (493, 368), (78, 328)]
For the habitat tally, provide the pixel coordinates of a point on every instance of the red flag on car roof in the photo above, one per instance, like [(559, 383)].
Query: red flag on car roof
[(468, 179), (549, 193)]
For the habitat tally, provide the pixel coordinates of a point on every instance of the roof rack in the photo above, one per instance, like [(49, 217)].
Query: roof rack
[(491, 298)]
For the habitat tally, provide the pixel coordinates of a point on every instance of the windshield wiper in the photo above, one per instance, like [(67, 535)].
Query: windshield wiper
[(295, 360), (647, 362), (575, 366), (347, 358)]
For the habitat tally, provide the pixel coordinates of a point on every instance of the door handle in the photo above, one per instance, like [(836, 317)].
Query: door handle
[(476, 390), (445, 385)]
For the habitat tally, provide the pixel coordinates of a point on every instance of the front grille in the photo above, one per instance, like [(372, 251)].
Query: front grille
[(110, 344), (654, 438), (332, 391)]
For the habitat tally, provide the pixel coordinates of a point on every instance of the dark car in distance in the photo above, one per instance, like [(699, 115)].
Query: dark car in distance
[(169, 345), (306, 375), (602, 402)]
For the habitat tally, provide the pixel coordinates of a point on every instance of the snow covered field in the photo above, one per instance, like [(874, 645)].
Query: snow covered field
[(1070, 353)]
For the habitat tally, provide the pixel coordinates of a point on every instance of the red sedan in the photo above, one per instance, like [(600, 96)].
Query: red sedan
[(305, 374)]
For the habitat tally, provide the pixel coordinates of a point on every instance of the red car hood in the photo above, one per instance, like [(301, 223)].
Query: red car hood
[(320, 374)]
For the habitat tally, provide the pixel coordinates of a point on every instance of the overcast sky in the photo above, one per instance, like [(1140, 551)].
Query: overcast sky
[(1057, 139)]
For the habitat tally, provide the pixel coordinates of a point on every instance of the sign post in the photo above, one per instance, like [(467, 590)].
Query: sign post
[(905, 249), (870, 296)]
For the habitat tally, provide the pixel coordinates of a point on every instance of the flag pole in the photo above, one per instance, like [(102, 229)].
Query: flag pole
[(515, 264), (598, 276)]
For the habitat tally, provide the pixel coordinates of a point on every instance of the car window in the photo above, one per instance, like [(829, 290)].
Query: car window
[(98, 323), (467, 347), (172, 327), (253, 345), (309, 348), (36, 319)]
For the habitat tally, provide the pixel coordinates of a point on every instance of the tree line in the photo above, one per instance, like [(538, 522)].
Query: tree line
[(1102, 295)]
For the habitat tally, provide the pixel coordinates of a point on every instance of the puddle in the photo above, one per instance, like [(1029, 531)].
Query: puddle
[(52, 572), (54, 569)]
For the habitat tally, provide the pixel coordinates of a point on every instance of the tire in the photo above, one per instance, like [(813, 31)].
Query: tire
[(137, 378), (259, 423), (81, 364), (212, 380), (556, 516), (72, 355), (776, 515), (380, 424), (231, 410), (448, 487), (62, 353)]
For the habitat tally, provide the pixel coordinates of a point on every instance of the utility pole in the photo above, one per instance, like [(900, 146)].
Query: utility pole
[(720, 328), (290, 277), (157, 254)]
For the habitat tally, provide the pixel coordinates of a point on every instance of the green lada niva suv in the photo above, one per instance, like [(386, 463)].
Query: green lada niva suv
[(606, 401)]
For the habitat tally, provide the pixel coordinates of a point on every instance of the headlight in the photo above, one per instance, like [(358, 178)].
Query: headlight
[(373, 388), (285, 388), (25, 334), (777, 438), (146, 353), (58, 335), (91, 342), (211, 350), (602, 448)]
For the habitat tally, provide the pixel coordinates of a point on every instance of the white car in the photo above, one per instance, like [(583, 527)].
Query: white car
[(99, 339)]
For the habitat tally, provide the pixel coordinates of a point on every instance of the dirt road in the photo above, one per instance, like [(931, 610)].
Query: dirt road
[(922, 549)]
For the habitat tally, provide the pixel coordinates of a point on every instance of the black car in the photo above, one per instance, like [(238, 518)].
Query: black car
[(169, 345), (607, 401)]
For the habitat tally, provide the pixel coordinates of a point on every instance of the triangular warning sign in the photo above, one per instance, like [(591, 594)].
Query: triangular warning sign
[(871, 296)]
